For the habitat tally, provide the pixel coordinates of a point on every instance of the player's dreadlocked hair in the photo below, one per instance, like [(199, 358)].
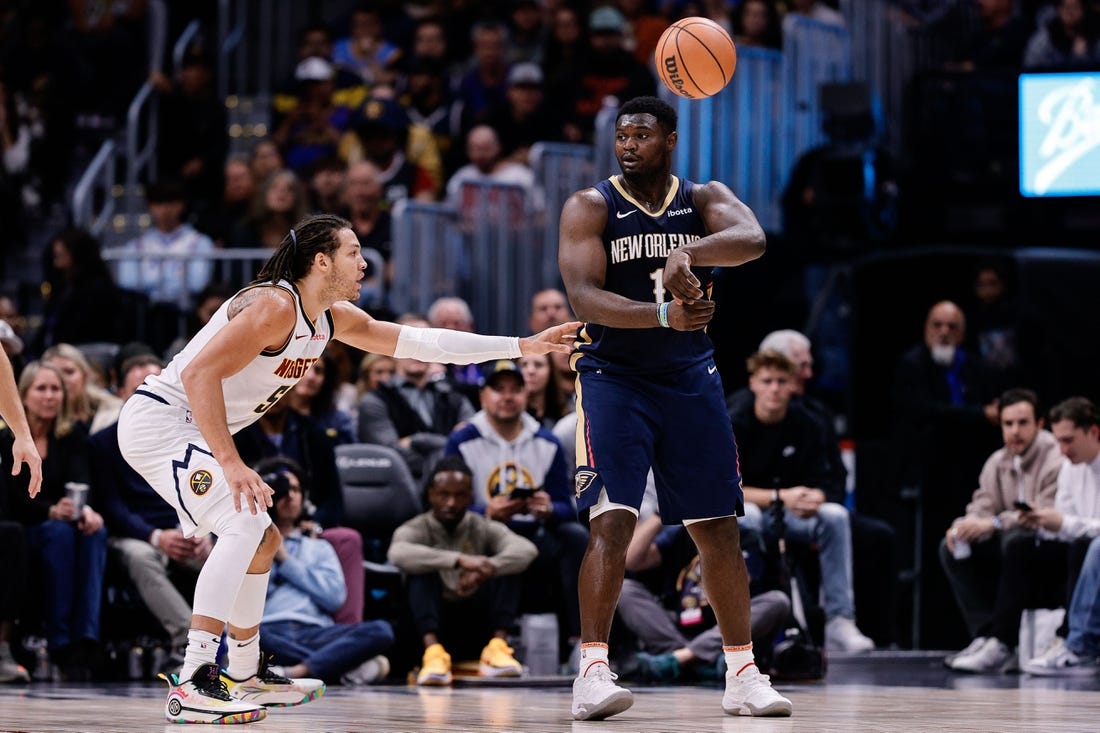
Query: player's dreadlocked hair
[(295, 254)]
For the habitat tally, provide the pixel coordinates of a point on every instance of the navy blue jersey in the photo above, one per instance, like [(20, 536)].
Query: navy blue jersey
[(637, 244)]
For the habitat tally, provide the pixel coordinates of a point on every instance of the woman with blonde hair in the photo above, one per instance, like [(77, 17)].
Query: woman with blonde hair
[(88, 403), (373, 370), (67, 540)]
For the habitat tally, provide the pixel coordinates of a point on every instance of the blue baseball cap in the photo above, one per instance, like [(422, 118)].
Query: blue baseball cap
[(494, 371)]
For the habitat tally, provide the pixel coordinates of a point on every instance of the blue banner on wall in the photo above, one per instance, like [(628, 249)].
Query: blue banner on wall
[(1060, 134)]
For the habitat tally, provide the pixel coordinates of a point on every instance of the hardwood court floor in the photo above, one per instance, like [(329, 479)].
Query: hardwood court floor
[(911, 696)]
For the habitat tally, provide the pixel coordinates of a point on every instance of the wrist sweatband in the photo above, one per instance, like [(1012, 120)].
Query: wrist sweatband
[(453, 347), (662, 314)]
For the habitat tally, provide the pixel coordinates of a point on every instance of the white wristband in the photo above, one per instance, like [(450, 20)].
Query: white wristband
[(154, 538), (453, 347)]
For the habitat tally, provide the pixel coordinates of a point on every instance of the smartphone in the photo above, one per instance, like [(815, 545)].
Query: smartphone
[(1023, 506), (522, 492)]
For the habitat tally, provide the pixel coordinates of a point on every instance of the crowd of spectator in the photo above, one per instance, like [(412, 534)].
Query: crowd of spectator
[(394, 105)]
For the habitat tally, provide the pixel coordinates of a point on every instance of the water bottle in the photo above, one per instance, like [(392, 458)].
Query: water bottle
[(539, 632), (135, 665), (157, 662)]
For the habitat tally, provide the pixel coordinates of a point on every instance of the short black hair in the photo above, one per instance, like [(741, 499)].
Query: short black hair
[(1016, 395), (1078, 410), (447, 464), (659, 108)]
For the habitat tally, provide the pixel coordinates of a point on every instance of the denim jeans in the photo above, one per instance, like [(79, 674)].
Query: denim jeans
[(328, 651), (74, 565), (1084, 607), (831, 531)]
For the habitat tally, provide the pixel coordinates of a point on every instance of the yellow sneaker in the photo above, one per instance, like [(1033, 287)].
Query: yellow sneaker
[(435, 667), (497, 660)]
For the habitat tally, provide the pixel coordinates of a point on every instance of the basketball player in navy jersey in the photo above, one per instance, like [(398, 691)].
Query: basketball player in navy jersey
[(176, 431), (636, 253)]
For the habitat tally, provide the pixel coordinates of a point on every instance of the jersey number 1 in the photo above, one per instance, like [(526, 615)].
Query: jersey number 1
[(658, 278)]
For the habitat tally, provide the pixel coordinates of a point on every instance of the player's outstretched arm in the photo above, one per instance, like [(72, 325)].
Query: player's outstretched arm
[(260, 318), (735, 238), (356, 328), (11, 409)]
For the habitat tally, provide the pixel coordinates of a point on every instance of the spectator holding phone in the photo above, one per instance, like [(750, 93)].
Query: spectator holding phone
[(983, 552), (521, 477)]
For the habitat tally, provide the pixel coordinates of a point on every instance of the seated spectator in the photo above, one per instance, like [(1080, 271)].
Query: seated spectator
[(430, 104), (521, 477), (375, 369), (874, 542), (482, 86), (527, 118), (88, 403), (264, 160), (282, 431), (305, 589), (783, 458), (463, 576), (280, 202), (237, 192), (144, 531), (680, 637), (167, 262), (405, 153), (192, 140), (975, 550), (756, 24), (1070, 38), (414, 412), (315, 396), (1074, 518), (66, 537), (327, 183), (370, 221), (454, 312), (549, 307), (311, 130), (545, 401), (365, 50), (488, 166), (81, 298)]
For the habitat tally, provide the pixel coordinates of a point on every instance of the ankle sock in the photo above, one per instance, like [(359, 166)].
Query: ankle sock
[(244, 657), (592, 653), (202, 648), (739, 658)]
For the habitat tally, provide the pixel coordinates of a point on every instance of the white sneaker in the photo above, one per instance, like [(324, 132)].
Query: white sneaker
[(989, 657), (751, 693), (13, 671), (1059, 661), (204, 699), (596, 696), (841, 635), (370, 671), (271, 689), (970, 649)]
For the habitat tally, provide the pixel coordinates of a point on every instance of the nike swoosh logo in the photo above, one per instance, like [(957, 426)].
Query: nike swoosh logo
[(712, 369), (301, 336), (624, 214)]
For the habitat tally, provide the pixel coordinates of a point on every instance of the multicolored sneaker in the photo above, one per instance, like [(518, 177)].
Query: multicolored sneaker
[(204, 699), (497, 660), (272, 690), (435, 667)]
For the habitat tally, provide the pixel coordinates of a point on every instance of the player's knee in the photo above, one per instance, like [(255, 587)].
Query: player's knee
[(245, 525), (269, 543)]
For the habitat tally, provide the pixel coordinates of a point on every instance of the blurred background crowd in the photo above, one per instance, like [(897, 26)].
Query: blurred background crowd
[(154, 152)]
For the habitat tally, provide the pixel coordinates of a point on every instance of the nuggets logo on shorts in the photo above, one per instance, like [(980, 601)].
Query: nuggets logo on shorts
[(583, 480), (200, 482)]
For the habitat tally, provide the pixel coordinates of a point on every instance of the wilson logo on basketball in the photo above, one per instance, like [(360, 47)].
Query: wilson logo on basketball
[(674, 76), (200, 482)]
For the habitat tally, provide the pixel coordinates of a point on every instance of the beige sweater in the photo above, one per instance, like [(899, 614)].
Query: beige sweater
[(1000, 483), (423, 545)]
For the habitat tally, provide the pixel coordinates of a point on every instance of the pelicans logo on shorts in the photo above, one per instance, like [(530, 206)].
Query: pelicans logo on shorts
[(200, 482), (583, 480)]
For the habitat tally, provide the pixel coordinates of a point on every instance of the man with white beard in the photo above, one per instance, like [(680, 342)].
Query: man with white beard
[(945, 414)]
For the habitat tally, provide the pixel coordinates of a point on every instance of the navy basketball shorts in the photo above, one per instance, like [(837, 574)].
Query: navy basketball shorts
[(675, 423)]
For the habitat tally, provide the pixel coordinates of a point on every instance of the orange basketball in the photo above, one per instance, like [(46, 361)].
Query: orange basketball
[(695, 57)]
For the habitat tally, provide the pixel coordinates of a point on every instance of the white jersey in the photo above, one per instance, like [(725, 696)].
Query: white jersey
[(264, 380)]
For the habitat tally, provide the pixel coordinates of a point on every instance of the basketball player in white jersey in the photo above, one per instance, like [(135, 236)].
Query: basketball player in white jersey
[(177, 429)]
